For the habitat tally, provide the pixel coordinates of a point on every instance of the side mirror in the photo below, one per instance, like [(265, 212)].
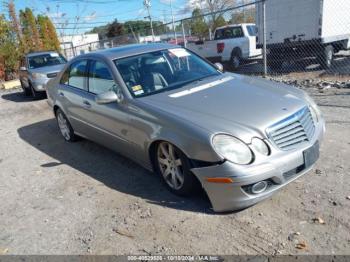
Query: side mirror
[(219, 66), (23, 68), (108, 97)]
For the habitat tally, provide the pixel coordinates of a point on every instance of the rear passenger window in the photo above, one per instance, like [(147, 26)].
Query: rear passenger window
[(229, 32), (77, 74), (100, 79)]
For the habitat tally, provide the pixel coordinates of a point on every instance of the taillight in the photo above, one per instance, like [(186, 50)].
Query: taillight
[(220, 47)]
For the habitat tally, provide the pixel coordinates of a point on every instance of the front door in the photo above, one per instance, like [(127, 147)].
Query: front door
[(108, 123)]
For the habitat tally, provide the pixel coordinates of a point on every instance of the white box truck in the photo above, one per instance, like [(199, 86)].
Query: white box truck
[(298, 29)]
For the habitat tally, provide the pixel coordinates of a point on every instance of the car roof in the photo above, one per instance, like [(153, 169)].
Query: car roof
[(40, 53), (127, 50), (234, 25)]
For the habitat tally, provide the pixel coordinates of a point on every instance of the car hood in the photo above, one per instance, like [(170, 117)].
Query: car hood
[(48, 69), (237, 104)]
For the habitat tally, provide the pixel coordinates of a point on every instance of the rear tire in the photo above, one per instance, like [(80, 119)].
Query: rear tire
[(327, 56), (235, 61), (174, 168), (65, 127)]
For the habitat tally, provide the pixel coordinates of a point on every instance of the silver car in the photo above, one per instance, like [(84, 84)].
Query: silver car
[(37, 69), (238, 137)]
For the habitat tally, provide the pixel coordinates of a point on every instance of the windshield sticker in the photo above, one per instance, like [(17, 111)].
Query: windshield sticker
[(137, 90), (200, 88), (179, 52), (53, 54)]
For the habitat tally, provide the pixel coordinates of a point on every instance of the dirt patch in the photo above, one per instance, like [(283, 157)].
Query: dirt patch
[(81, 198)]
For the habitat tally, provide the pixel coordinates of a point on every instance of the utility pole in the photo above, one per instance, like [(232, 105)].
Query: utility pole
[(147, 4), (172, 17)]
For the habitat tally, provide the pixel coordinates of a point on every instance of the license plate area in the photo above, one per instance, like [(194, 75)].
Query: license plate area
[(311, 155)]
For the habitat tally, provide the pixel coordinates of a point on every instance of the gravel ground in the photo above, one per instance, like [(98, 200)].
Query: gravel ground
[(80, 198)]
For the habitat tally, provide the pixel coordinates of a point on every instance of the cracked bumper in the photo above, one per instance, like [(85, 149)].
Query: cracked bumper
[(280, 169)]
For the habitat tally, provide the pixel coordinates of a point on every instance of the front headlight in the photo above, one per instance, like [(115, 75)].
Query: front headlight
[(232, 149), (315, 111), (260, 146), (38, 75)]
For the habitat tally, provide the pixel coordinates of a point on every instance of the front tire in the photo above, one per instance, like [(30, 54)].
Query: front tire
[(174, 168), (65, 127), (34, 93), (26, 91)]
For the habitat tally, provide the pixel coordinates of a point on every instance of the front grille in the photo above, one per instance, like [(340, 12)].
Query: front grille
[(292, 131)]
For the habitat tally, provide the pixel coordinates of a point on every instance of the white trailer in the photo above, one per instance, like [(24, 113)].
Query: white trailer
[(298, 29)]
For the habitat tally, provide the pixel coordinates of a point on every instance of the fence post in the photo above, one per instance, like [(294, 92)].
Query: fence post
[(183, 33), (264, 36)]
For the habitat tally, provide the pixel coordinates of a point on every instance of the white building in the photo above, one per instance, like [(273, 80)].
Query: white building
[(78, 44)]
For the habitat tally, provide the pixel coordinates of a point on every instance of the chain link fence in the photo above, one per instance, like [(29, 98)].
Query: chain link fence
[(258, 37)]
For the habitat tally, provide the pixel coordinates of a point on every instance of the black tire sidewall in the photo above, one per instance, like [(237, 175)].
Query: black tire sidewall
[(26, 91), (235, 54), (324, 61)]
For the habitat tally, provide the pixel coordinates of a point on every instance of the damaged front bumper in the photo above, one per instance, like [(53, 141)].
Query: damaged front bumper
[(281, 168)]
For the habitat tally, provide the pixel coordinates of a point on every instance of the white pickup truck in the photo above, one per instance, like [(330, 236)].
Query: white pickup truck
[(232, 44)]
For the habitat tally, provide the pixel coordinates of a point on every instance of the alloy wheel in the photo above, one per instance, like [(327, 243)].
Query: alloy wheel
[(170, 165), (63, 125)]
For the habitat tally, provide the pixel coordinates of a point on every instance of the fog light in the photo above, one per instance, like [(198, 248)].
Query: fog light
[(259, 187)]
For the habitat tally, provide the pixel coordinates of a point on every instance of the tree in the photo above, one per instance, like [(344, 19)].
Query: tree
[(52, 35), (9, 54), (243, 16), (31, 39), (14, 20), (198, 25), (220, 21), (43, 32), (215, 9), (115, 29)]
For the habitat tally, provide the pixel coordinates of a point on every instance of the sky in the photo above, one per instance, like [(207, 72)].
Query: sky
[(91, 13)]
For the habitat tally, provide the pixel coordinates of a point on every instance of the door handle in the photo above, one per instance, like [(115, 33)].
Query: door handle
[(86, 104)]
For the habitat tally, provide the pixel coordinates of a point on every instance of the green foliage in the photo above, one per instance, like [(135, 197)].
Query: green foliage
[(219, 21), (23, 35), (52, 35), (138, 27), (9, 54), (243, 17), (115, 29), (198, 25), (30, 34)]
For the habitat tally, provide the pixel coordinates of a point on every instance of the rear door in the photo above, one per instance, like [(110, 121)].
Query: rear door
[(73, 85)]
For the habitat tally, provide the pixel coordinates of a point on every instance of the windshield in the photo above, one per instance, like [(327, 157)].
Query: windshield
[(163, 70), (46, 60)]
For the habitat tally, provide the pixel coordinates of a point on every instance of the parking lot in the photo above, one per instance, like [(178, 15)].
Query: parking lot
[(80, 198)]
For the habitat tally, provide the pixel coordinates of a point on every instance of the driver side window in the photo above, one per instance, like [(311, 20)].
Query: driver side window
[(100, 78)]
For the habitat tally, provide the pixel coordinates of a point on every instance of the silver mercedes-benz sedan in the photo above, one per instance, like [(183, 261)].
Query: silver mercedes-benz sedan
[(240, 138)]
